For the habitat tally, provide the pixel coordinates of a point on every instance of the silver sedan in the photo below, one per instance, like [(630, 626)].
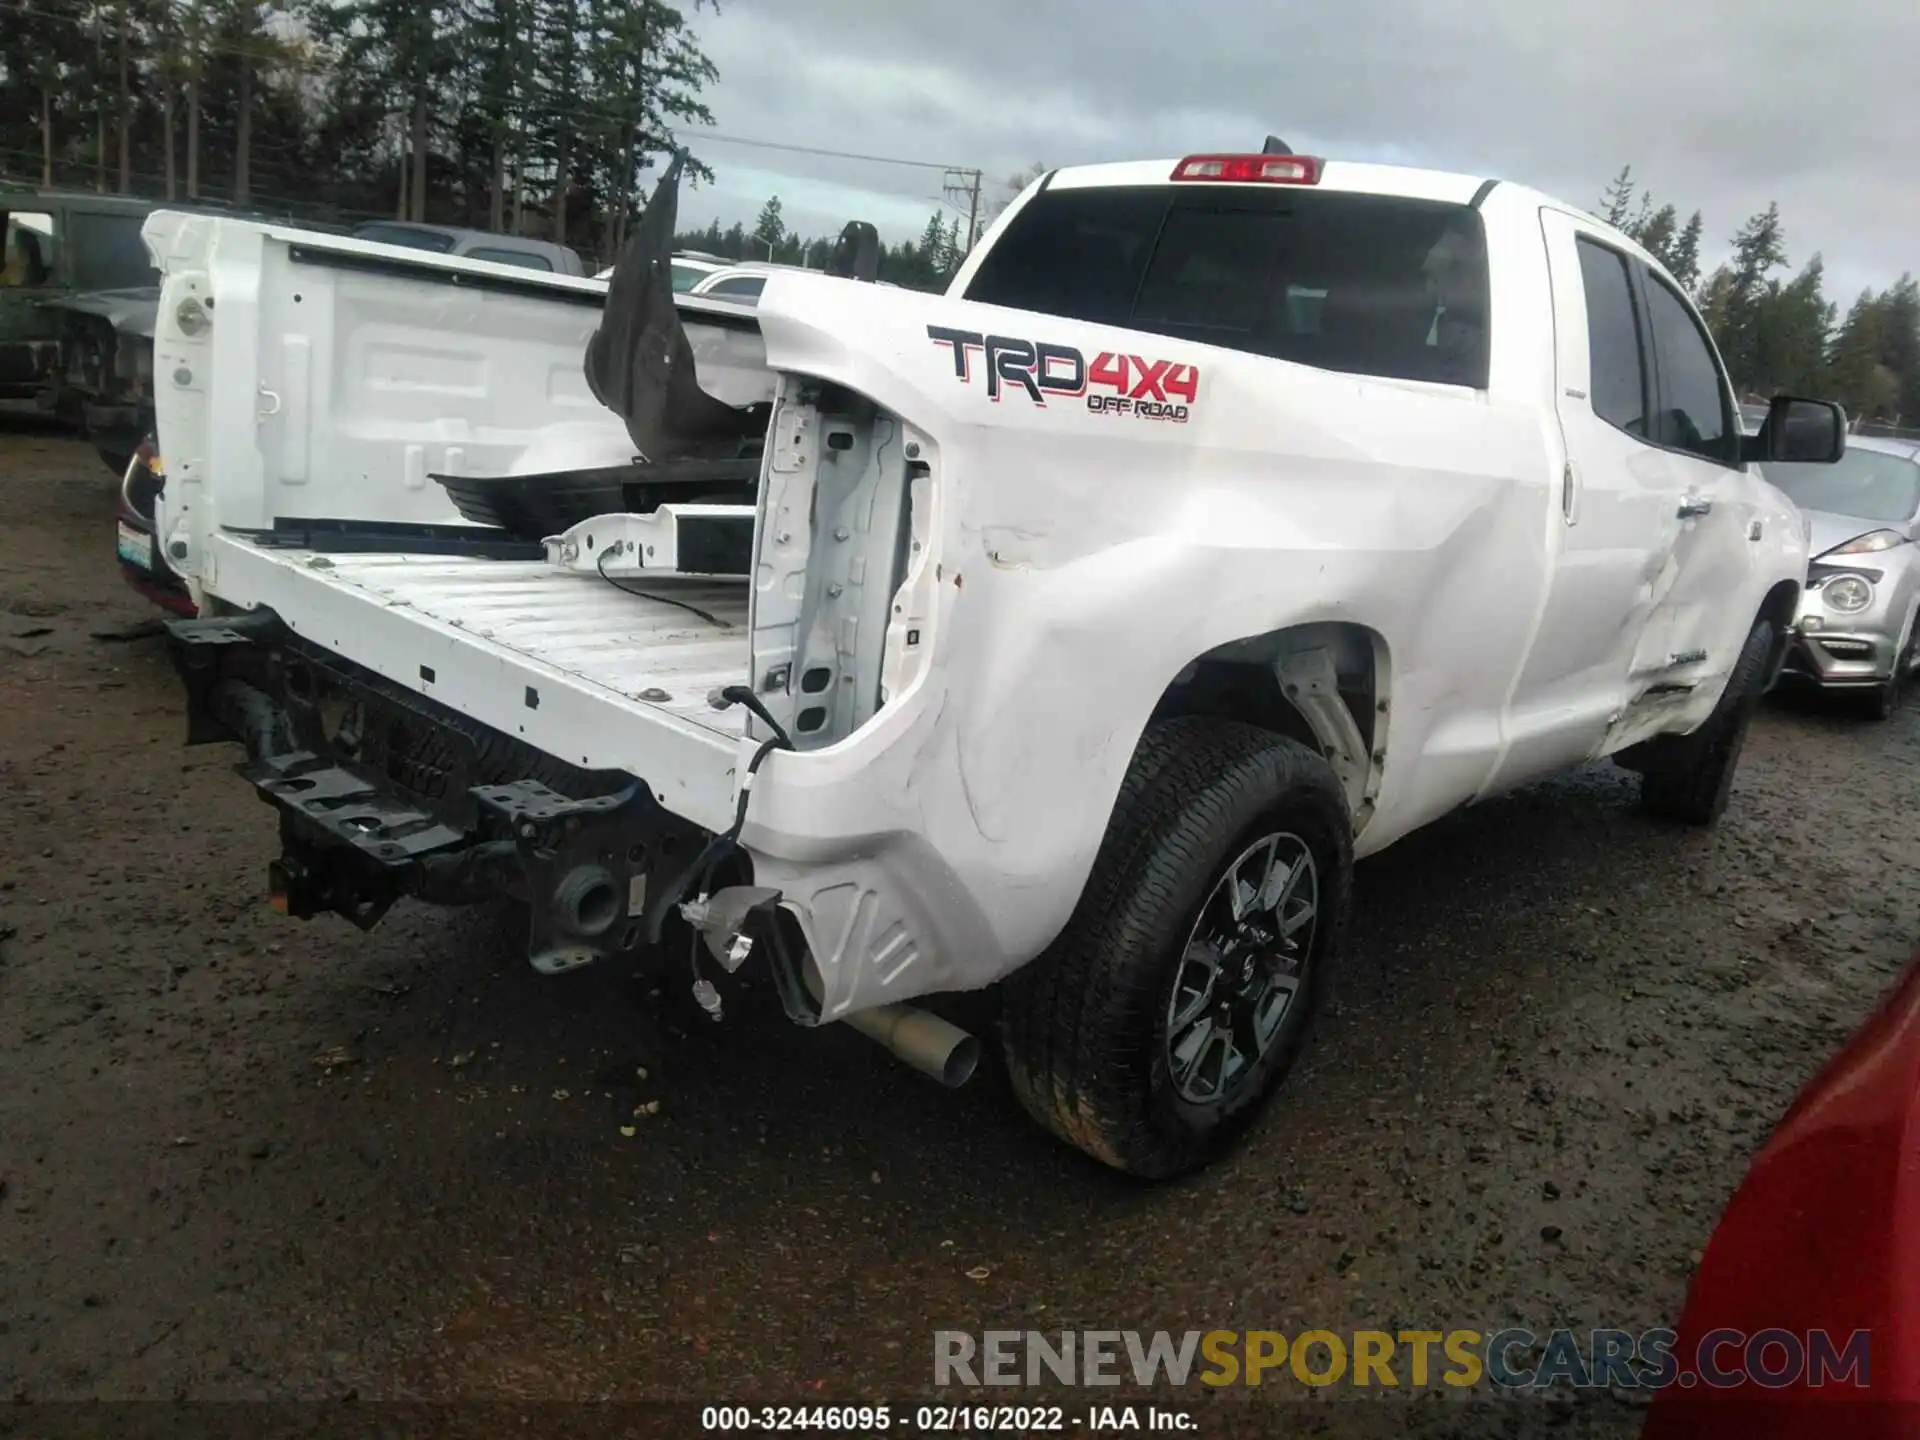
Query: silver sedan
[(1855, 630)]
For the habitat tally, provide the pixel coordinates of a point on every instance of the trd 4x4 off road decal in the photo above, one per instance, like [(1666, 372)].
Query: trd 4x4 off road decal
[(1113, 383)]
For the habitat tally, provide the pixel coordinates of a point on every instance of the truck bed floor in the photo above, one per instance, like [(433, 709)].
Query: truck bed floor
[(572, 664), (645, 649)]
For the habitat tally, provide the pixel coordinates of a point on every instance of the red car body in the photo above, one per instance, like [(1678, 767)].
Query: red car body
[(1823, 1235)]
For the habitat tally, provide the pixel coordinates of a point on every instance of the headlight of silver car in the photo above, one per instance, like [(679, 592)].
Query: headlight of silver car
[(1848, 594), (1871, 543)]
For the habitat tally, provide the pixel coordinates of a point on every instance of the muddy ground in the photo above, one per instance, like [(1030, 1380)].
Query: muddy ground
[(246, 1158)]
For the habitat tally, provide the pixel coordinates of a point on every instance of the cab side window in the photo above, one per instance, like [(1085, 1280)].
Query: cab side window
[(1693, 414), (28, 262), (1616, 356)]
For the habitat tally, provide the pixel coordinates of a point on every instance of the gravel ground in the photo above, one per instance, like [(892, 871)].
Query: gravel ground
[(248, 1159)]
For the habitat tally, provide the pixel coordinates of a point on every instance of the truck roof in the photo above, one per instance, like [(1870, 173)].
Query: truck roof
[(1346, 175), (15, 196)]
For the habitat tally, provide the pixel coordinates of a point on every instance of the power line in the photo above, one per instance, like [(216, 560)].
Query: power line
[(961, 185), (589, 110), (273, 51), (835, 154)]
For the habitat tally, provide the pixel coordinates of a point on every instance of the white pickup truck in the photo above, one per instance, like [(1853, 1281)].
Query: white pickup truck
[(1226, 520)]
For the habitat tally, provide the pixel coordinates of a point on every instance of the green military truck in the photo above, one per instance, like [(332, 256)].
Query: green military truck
[(60, 244)]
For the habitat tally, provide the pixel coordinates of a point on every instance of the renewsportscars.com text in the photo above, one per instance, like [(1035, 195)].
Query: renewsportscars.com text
[(1511, 1359)]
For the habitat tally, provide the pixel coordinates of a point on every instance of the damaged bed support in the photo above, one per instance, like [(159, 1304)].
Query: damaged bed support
[(601, 874), (709, 541)]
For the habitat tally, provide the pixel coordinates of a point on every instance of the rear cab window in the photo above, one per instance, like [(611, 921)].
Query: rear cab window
[(525, 259), (1364, 284)]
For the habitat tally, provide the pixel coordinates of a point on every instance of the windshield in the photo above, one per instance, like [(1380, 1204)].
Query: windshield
[(685, 277), (1366, 284), (1868, 484)]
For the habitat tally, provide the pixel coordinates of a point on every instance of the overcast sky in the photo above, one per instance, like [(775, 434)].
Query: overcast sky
[(1717, 106)]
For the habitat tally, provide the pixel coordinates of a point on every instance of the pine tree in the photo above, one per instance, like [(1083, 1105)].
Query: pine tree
[(390, 58), (1758, 249), (1900, 344), (1684, 258), (41, 58), (933, 251), (644, 73), (770, 229), (1736, 294), (1656, 231), (1617, 203), (1790, 330), (1857, 374), (498, 89)]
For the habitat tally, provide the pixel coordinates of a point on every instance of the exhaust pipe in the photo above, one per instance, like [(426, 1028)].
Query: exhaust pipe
[(922, 1039)]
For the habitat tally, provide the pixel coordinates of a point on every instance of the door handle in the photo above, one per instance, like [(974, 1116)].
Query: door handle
[(1693, 505), (1570, 494)]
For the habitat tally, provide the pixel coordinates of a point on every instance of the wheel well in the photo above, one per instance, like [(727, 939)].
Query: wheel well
[(1780, 609), (1325, 685), (1781, 605)]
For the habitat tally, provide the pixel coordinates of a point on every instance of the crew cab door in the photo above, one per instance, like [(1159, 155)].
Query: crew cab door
[(1710, 590), (1618, 521)]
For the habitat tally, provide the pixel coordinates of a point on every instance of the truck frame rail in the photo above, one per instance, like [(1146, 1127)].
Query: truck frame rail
[(383, 794)]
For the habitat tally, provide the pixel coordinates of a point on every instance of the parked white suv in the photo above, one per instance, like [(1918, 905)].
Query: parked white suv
[(744, 282), (1228, 519)]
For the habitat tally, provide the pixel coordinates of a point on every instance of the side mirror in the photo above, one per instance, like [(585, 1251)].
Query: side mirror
[(1799, 432), (857, 254)]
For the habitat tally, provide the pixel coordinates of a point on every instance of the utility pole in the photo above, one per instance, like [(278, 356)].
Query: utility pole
[(964, 184)]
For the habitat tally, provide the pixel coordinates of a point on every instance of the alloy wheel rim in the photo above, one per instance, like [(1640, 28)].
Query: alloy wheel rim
[(1242, 967)]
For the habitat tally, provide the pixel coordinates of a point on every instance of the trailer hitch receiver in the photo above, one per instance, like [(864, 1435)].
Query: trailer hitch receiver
[(587, 866)]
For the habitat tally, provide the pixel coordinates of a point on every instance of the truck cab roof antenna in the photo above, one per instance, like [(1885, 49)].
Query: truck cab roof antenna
[(1276, 146)]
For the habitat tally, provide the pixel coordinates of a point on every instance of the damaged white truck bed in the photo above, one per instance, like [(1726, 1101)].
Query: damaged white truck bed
[(1227, 519), (590, 658)]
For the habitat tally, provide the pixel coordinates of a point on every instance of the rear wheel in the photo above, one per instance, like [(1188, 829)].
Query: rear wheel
[(1689, 778), (1183, 987)]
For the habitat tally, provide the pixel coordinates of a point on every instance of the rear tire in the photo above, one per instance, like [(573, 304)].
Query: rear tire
[(1690, 779), (1169, 970)]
